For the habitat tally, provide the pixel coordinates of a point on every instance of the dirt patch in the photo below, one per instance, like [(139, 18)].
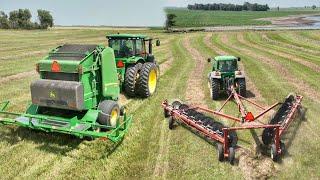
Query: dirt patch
[(296, 20), (255, 167), (300, 86), (17, 76), (195, 93)]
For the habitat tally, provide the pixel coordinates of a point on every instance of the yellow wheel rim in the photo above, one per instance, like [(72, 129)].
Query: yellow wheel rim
[(114, 117), (152, 81)]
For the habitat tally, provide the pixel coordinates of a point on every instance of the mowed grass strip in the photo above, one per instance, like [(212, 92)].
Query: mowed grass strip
[(300, 71)]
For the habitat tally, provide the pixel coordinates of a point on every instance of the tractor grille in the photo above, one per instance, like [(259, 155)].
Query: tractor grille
[(75, 52)]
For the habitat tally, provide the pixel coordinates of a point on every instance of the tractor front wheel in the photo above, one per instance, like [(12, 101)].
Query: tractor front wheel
[(147, 82), (171, 122), (110, 112), (220, 152), (273, 153), (215, 88), (131, 77)]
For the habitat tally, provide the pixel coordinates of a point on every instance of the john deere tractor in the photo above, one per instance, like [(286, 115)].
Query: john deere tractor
[(225, 73), (76, 94), (136, 65)]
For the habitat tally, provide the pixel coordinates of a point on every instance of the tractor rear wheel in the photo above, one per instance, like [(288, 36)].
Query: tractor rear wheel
[(147, 82), (214, 90), (242, 87), (110, 112), (131, 77)]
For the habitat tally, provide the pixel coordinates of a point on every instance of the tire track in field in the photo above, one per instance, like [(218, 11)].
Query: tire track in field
[(300, 86), (251, 166), (289, 56), (195, 93), (162, 162)]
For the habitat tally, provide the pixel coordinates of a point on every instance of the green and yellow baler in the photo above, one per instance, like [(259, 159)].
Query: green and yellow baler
[(77, 94)]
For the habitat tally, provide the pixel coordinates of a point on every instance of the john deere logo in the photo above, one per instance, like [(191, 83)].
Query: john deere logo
[(52, 94)]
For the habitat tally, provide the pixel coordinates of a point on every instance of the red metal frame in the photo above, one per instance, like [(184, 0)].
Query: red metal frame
[(244, 122)]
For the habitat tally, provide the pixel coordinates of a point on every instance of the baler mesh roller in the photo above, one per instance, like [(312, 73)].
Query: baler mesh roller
[(72, 51), (205, 121)]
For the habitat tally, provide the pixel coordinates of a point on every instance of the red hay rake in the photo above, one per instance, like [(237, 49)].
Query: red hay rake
[(192, 117)]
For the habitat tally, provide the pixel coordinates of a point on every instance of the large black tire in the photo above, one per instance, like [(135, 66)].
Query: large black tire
[(176, 104), (130, 80), (231, 155), (110, 112), (242, 87), (147, 81), (171, 122), (267, 136), (273, 153), (215, 88), (220, 152)]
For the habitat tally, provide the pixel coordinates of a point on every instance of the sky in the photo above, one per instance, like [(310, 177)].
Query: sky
[(120, 12)]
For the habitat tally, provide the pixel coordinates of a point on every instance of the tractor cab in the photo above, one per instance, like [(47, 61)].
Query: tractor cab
[(130, 47), (136, 65), (225, 64)]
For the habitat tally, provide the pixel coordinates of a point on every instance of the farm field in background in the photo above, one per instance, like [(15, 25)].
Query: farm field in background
[(201, 18), (275, 62)]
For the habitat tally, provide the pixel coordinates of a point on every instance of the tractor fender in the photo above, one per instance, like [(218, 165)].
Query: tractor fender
[(240, 76), (212, 75)]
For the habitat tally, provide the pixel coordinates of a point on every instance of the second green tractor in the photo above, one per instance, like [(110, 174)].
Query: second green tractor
[(226, 73), (137, 67)]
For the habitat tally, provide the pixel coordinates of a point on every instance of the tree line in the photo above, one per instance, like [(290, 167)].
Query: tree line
[(229, 7), (21, 19)]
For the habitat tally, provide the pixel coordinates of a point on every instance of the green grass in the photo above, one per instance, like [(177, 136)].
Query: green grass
[(150, 150), (201, 18)]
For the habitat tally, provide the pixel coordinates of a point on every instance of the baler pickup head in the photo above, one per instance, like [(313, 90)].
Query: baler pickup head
[(79, 127)]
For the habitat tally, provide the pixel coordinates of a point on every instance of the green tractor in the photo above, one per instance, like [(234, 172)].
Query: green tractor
[(77, 94), (137, 67), (226, 74)]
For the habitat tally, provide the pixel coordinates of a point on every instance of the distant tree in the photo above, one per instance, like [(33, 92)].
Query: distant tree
[(170, 22), (278, 8), (229, 7), (20, 19), (4, 22), (314, 7), (45, 18)]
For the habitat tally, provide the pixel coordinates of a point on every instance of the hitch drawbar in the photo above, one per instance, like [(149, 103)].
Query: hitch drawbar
[(193, 118)]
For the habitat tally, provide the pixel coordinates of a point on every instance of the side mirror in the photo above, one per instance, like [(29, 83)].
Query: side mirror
[(209, 60), (239, 58), (158, 42)]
